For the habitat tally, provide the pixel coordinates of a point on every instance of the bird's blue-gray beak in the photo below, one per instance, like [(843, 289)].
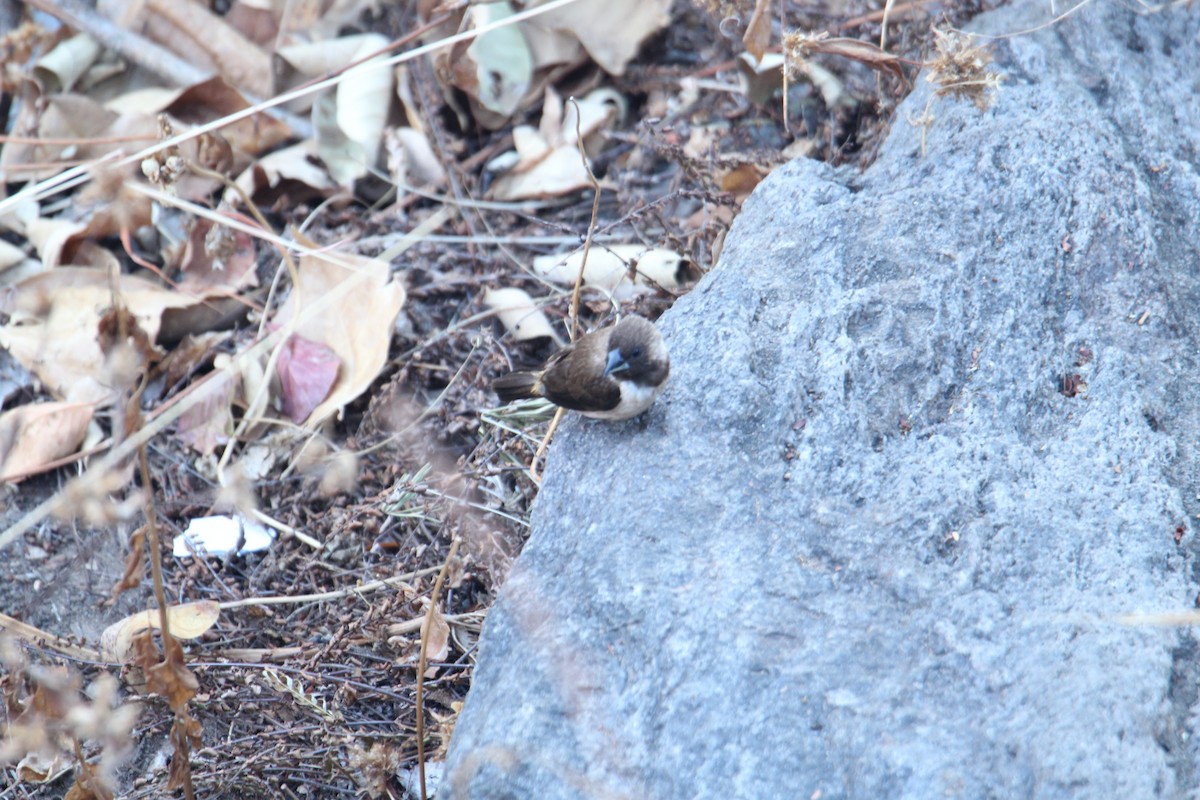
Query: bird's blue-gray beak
[(616, 363)]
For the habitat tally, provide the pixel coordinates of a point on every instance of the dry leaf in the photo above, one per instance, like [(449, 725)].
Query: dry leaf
[(758, 30), (74, 127), (357, 327), (253, 394), (760, 78), (292, 171), (832, 88), (622, 270), (411, 160), (324, 56), (436, 631), (339, 474), (529, 145), (216, 259), (350, 121), (135, 565), (741, 180), (258, 460), (168, 677), (58, 70), (319, 19), (186, 621), (610, 30), (54, 325), (51, 237), (33, 436), (547, 161), (201, 103), (88, 785), (39, 767), (344, 158), (550, 47), (214, 313), (10, 255), (408, 101), (180, 685), (559, 173), (499, 59), (494, 70), (364, 98), (504, 70), (307, 371), (200, 37), (215, 98), (256, 20), (209, 423), (519, 314)]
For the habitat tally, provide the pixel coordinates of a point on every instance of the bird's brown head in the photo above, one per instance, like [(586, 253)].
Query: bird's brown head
[(636, 353)]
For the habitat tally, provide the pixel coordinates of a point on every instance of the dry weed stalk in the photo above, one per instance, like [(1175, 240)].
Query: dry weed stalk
[(423, 661), (169, 677), (49, 719), (799, 48)]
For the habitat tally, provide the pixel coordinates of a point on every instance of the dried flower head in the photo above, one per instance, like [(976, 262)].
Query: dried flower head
[(962, 68), (50, 719), (167, 166), (798, 48)]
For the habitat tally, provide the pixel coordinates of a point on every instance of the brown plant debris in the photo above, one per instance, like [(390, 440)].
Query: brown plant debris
[(961, 68), (798, 48)]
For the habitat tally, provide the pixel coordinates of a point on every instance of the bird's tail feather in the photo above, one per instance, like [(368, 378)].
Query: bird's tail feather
[(517, 386)]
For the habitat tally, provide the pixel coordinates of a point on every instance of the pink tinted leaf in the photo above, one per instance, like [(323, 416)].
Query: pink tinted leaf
[(307, 371)]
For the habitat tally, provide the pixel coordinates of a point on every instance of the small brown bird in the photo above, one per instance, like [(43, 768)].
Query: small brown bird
[(614, 373)]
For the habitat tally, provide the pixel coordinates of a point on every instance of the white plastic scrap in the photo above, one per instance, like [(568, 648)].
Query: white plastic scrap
[(221, 535)]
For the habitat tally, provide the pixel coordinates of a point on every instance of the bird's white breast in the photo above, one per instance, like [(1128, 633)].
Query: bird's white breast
[(635, 398)]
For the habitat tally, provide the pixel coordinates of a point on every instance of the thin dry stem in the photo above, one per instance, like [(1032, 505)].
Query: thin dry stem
[(587, 244), (887, 11), (160, 597), (1048, 24), (534, 474), (399, 581), (423, 660)]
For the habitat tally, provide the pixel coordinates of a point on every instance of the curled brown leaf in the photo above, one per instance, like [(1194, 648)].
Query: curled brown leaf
[(799, 47)]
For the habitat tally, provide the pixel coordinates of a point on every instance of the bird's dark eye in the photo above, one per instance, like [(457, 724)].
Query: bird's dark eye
[(635, 352)]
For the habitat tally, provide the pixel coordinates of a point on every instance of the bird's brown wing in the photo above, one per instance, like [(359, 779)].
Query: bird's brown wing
[(574, 378)]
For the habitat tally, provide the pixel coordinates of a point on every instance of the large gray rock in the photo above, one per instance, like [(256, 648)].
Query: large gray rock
[(767, 588)]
